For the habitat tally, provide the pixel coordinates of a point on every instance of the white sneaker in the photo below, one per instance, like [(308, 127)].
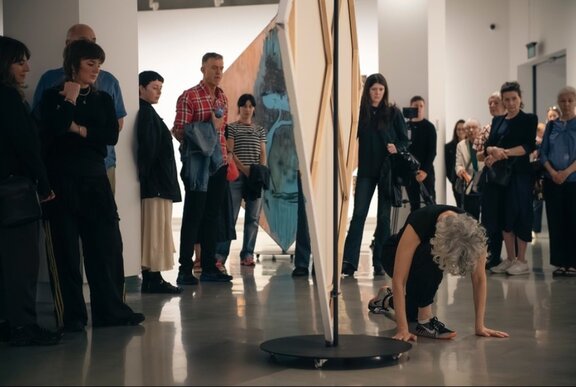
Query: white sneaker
[(518, 268), (502, 267)]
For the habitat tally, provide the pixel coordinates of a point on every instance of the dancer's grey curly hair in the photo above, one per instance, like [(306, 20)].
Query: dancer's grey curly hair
[(458, 243)]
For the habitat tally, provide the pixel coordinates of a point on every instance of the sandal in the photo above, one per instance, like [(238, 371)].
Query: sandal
[(560, 271), (249, 261), (570, 272)]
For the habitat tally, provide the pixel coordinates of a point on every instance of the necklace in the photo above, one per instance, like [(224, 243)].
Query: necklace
[(86, 93), (80, 94)]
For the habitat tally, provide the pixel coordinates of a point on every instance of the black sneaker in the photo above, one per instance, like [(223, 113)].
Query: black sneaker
[(382, 303), (163, 287), (300, 272), (186, 279), (434, 329), (215, 277), (348, 269), (130, 320), (33, 335), (4, 331), (73, 326)]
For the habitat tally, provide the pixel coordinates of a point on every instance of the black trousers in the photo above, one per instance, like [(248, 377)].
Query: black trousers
[(19, 260), (84, 208), (200, 222), (424, 277), (489, 219), (561, 216), (414, 191), (303, 248), (472, 205)]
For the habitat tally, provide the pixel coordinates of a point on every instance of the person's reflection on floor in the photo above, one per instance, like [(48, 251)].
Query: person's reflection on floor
[(353, 307), (113, 346)]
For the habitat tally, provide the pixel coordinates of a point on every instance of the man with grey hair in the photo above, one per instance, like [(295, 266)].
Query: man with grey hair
[(496, 108)]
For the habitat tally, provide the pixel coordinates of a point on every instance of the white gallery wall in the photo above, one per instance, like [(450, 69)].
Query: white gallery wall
[(172, 43)]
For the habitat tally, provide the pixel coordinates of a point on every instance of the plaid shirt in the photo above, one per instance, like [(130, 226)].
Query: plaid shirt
[(194, 105)]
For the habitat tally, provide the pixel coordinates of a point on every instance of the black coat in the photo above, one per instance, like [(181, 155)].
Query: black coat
[(521, 131), (156, 163), (19, 141), (450, 160)]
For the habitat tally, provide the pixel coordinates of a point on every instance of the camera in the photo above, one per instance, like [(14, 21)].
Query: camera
[(410, 112)]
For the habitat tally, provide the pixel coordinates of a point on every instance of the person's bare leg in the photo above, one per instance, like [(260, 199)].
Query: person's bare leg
[(522, 245), (425, 313), (509, 242)]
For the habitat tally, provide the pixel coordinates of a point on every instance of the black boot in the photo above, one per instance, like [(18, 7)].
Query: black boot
[(145, 287), (158, 285), (33, 335)]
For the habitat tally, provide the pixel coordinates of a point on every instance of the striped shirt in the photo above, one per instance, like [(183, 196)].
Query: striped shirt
[(247, 140), (195, 105)]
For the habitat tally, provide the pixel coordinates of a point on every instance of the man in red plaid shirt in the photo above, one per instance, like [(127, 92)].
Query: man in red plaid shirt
[(204, 102)]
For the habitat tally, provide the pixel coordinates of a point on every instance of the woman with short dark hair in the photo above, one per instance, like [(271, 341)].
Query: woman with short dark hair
[(512, 139), (79, 122), (246, 143)]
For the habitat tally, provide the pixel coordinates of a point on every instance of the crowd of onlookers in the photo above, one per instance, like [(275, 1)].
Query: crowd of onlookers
[(64, 145)]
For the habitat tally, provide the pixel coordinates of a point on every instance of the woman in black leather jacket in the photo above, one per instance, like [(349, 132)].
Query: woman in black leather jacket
[(158, 187), (19, 244)]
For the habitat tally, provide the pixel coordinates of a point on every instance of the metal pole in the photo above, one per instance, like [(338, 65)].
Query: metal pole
[(336, 272)]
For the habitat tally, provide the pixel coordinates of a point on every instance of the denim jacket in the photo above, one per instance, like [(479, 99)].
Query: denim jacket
[(201, 155)]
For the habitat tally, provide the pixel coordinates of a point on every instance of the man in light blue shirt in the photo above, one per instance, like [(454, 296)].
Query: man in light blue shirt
[(106, 82)]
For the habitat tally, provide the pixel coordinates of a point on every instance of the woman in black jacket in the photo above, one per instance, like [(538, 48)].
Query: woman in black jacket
[(19, 244), (158, 187), (79, 122), (458, 135), (381, 133), (511, 141)]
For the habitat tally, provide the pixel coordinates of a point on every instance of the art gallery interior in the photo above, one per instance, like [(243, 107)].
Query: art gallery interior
[(455, 53)]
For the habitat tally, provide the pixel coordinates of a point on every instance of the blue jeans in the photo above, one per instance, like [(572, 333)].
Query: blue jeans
[(303, 248), (365, 187), (251, 217)]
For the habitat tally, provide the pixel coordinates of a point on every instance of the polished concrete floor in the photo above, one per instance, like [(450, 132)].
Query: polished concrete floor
[(210, 335)]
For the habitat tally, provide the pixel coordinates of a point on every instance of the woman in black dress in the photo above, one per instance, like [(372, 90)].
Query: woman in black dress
[(512, 139), (434, 240)]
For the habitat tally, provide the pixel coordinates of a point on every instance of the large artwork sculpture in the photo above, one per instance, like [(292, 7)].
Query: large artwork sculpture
[(288, 68)]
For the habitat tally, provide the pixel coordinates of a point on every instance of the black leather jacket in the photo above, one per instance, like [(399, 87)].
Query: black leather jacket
[(156, 163)]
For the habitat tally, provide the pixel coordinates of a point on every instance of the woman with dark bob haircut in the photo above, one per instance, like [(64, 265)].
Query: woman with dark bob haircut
[(246, 143), (79, 122), (19, 243), (512, 139)]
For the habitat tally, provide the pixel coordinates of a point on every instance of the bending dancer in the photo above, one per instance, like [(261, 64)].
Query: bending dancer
[(434, 240)]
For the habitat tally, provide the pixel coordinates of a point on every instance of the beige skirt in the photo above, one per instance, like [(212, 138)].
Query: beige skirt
[(157, 242)]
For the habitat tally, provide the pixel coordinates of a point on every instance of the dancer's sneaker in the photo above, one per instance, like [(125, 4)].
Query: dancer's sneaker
[(382, 303), (434, 329)]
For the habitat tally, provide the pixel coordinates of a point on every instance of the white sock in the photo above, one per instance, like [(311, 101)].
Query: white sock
[(422, 322)]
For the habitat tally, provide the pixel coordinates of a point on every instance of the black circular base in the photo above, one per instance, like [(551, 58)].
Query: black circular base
[(349, 347)]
